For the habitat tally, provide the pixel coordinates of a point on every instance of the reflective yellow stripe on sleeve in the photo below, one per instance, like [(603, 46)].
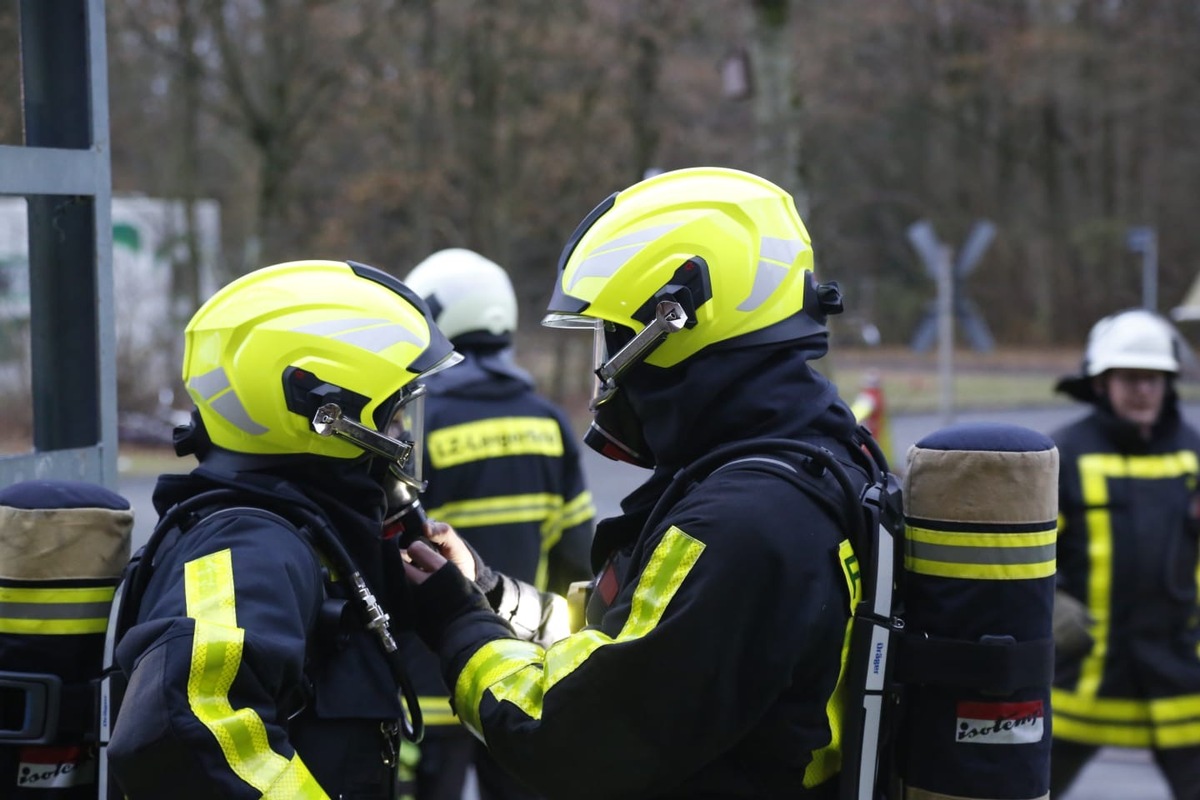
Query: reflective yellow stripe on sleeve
[(216, 657), (522, 673), (436, 710)]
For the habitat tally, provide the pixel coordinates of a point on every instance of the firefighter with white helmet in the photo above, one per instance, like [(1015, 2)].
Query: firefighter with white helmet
[(503, 468), (714, 647), (1127, 622)]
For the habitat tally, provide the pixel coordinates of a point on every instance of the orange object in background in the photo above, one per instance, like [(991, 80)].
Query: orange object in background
[(870, 409)]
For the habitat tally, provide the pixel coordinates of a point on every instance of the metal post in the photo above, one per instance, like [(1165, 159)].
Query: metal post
[(1150, 272), (64, 172), (945, 306)]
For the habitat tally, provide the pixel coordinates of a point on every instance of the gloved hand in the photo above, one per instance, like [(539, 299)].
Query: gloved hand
[(454, 549), (1072, 626), (442, 592)]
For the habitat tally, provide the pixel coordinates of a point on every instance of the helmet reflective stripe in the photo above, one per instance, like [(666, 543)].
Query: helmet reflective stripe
[(769, 275), (210, 383), (376, 339), (228, 405), (781, 250), (606, 259)]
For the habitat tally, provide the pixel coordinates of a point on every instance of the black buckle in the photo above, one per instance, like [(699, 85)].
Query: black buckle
[(40, 696)]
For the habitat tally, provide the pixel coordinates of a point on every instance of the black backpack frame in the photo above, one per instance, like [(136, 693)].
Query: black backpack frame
[(875, 518)]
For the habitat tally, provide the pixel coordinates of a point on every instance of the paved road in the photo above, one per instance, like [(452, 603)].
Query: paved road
[(1115, 775)]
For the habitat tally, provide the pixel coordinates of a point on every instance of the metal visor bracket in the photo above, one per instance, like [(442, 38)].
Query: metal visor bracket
[(669, 317), (329, 421)]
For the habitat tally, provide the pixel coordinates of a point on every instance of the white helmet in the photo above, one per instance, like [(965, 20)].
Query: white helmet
[(1133, 339), (466, 293)]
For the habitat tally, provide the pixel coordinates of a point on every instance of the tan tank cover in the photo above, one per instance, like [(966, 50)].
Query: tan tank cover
[(981, 486), (57, 544)]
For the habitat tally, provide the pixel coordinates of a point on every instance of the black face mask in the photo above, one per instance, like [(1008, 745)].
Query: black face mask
[(616, 432)]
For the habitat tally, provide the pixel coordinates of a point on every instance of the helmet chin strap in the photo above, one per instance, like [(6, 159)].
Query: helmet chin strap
[(329, 421)]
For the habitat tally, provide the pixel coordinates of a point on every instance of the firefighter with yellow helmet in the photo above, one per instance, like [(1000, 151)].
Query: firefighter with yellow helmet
[(1127, 622), (712, 656), (261, 660)]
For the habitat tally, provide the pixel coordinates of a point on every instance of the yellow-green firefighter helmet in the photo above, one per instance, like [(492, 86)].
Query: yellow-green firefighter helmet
[(728, 244), (268, 351)]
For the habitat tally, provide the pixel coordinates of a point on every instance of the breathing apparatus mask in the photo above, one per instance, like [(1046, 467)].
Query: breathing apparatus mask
[(616, 431)]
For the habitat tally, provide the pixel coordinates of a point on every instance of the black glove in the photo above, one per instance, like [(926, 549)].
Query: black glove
[(445, 596)]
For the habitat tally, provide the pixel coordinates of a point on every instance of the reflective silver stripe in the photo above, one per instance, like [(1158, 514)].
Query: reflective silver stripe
[(644, 236), (53, 610), (332, 327), (767, 278), (230, 407), (368, 333), (379, 338), (782, 250), (606, 259), (981, 555), (210, 383)]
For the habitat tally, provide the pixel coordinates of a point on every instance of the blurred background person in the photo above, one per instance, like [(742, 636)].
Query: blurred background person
[(504, 470), (1127, 621)]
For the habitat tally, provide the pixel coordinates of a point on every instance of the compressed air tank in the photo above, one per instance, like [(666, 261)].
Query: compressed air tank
[(63, 545), (976, 655)]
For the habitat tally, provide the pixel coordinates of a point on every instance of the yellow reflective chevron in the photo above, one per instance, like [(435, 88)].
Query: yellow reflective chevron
[(41, 607), (983, 554), (1162, 722), (494, 438), (1095, 471), (522, 673), (436, 710), (827, 761), (216, 657)]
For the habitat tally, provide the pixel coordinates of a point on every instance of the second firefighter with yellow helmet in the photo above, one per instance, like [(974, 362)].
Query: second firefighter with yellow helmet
[(260, 654), (712, 658)]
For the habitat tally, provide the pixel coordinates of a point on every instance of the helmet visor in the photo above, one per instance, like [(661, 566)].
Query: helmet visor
[(615, 348), (407, 425)]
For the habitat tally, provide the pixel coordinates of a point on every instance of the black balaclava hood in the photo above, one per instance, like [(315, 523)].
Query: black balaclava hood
[(722, 396)]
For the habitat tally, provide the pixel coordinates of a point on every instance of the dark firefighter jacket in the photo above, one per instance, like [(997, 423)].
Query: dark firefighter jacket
[(240, 683), (1127, 549), (712, 674), (504, 469)]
